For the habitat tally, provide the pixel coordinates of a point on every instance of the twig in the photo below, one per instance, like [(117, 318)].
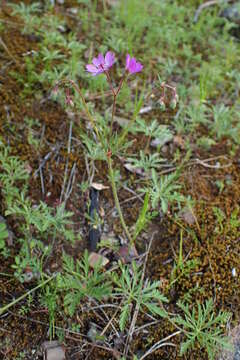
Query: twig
[(132, 198), (70, 183), (160, 344), (45, 159), (99, 307), (202, 7), (200, 162), (217, 166), (110, 323), (42, 181), (146, 325), (113, 351)]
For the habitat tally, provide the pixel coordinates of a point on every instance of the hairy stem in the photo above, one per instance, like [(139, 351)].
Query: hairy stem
[(113, 112)]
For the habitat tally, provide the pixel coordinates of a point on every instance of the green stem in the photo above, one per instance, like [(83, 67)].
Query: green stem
[(113, 113), (6, 307), (117, 204)]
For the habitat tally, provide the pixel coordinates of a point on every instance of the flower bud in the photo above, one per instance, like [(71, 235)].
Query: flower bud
[(68, 98), (173, 104), (69, 101), (162, 105), (176, 97)]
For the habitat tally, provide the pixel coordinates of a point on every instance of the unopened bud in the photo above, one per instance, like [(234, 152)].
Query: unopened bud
[(69, 101), (68, 98), (162, 105), (173, 104)]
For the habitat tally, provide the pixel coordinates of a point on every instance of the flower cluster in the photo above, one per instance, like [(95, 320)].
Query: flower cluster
[(102, 64)]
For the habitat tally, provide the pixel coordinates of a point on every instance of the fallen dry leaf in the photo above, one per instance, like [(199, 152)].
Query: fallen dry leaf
[(99, 187)]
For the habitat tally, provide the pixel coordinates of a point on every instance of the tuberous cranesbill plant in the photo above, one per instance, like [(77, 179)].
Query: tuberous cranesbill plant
[(111, 143)]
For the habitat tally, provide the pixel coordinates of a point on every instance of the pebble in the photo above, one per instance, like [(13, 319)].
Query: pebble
[(234, 340), (53, 350)]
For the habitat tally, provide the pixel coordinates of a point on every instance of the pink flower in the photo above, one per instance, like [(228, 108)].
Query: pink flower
[(101, 64), (132, 65)]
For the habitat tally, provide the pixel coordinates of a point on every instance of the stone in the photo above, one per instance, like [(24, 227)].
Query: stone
[(234, 340), (95, 258), (53, 350), (187, 215)]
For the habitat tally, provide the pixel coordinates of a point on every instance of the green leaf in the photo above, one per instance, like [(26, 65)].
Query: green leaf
[(124, 316), (186, 345), (157, 310)]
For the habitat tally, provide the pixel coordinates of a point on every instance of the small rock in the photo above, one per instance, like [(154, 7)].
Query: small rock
[(145, 110), (53, 350), (92, 332), (187, 215), (234, 341), (126, 255), (95, 258)]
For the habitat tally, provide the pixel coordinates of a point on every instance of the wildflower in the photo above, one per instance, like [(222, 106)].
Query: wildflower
[(132, 65), (101, 64)]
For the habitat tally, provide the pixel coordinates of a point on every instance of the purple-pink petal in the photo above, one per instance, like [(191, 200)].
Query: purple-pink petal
[(95, 61), (94, 70), (132, 65), (101, 64), (138, 67), (109, 59), (128, 58), (101, 58), (91, 68)]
